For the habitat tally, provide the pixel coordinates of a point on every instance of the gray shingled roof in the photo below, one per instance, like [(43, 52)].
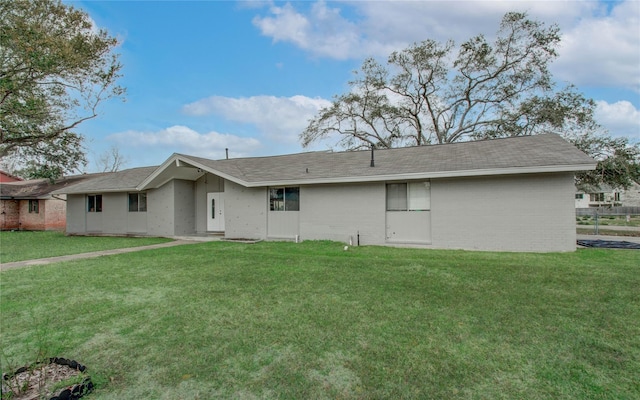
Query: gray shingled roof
[(519, 152), (40, 188), (538, 153), (125, 180)]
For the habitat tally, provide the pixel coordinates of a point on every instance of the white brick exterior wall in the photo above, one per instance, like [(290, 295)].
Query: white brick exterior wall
[(339, 212), (505, 213), (245, 211), (510, 213)]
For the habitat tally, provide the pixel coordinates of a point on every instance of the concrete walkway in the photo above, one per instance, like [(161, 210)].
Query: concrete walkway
[(50, 260)]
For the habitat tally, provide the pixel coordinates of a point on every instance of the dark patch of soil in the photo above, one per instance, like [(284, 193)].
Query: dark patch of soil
[(39, 382)]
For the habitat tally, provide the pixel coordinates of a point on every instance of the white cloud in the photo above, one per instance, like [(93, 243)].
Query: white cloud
[(181, 139), (285, 25), (603, 50), (598, 47), (620, 118), (279, 118), (324, 32), (375, 28), (411, 21), (251, 4)]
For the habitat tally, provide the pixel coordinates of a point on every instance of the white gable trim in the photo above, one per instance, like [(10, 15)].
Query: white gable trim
[(154, 180)]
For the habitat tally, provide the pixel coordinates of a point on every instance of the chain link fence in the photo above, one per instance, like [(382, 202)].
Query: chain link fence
[(620, 221)]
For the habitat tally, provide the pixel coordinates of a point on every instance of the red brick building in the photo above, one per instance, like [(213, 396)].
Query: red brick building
[(29, 205)]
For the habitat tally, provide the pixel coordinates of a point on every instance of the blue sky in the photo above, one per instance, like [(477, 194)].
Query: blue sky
[(202, 76)]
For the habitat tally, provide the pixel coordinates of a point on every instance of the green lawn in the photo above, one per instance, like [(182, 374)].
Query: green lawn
[(312, 321), (28, 245)]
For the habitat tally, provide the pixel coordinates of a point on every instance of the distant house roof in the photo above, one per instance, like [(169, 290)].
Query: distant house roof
[(527, 154), (605, 188), (7, 177), (126, 180), (39, 188)]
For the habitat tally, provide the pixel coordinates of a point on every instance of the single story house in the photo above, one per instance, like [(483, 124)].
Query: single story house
[(606, 196), (30, 204), (513, 194)]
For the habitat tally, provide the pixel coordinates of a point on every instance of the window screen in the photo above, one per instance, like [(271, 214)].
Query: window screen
[(94, 203), (137, 202), (284, 199), (419, 196), (276, 199), (397, 197), (142, 201), (133, 202), (414, 196), (292, 199)]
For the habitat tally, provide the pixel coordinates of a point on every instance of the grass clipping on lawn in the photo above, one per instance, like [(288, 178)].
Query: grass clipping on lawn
[(310, 320)]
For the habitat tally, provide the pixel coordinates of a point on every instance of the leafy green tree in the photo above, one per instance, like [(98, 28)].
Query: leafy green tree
[(56, 68), (52, 158), (428, 94), (618, 161)]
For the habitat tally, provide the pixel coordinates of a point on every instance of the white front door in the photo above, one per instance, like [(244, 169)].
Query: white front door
[(215, 212)]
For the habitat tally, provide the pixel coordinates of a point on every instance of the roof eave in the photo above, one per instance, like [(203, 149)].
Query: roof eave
[(428, 175), (29, 196), (98, 191)]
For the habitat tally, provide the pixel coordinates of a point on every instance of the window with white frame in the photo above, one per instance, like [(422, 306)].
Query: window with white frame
[(94, 203), (138, 202), (412, 196), (284, 199)]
